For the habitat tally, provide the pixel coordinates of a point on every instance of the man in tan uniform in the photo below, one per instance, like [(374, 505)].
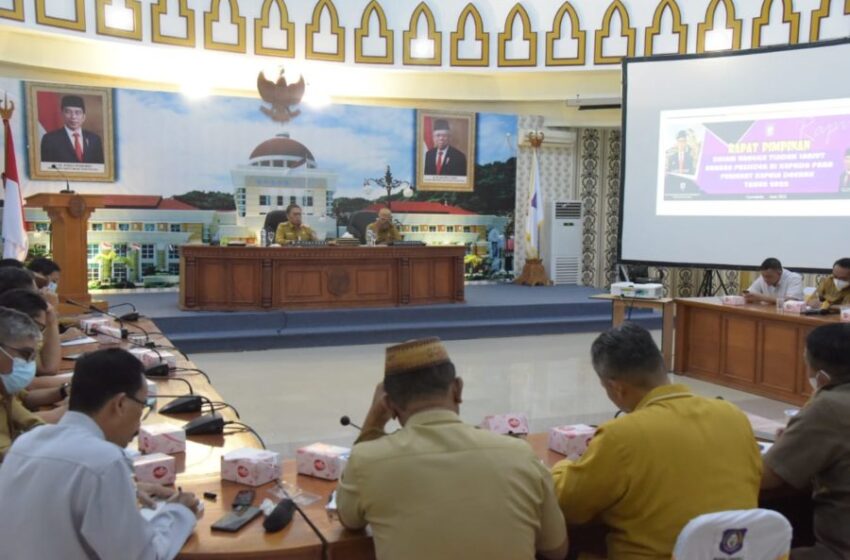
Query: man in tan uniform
[(19, 338), (292, 230), (834, 289), (440, 488), (814, 450), (383, 228)]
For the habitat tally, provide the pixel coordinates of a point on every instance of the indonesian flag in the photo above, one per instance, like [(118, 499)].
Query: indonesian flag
[(15, 242)]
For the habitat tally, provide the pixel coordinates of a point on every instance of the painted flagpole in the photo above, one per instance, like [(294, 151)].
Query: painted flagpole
[(15, 242)]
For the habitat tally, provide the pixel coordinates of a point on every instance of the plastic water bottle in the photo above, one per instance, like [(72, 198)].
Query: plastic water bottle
[(780, 304), (371, 238)]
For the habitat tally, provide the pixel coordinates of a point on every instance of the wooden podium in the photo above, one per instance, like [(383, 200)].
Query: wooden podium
[(69, 216)]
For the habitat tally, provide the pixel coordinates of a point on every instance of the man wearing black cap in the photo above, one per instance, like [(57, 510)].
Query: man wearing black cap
[(444, 159), (72, 144)]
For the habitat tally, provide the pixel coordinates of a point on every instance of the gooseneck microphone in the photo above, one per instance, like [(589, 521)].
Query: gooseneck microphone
[(67, 189), (346, 421)]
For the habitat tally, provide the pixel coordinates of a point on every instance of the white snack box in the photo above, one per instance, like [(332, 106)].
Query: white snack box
[(794, 306), (162, 438), (150, 357), (89, 325), (322, 460), (157, 467), (571, 440), (253, 467), (733, 300), (511, 423)]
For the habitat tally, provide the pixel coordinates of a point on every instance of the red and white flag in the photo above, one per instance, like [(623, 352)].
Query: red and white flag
[(15, 242)]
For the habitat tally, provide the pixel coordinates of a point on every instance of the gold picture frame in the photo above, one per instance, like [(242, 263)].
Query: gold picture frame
[(53, 156), (454, 168)]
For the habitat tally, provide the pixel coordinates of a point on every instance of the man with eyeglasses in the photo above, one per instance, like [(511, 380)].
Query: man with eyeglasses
[(72, 485), (46, 389), (19, 338)]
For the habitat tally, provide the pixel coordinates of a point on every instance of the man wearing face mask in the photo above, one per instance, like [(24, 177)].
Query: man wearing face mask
[(815, 450), (19, 338), (49, 270), (673, 457), (72, 484), (833, 290)]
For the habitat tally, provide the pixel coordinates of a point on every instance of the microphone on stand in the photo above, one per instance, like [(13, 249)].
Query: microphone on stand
[(346, 421), (67, 189)]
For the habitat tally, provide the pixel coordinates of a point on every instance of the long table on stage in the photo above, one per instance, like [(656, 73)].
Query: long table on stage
[(248, 278), (752, 347)]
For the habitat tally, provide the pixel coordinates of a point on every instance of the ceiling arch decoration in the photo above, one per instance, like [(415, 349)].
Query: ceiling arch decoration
[(481, 36), (789, 16), (604, 32), (16, 12), (528, 35), (160, 10), (824, 11), (678, 28), (707, 24), (263, 23), (76, 24), (384, 32), (103, 29), (576, 32), (214, 16), (315, 26), (411, 34)]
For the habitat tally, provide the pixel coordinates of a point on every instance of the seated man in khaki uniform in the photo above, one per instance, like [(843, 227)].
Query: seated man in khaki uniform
[(673, 457), (834, 289), (292, 230), (383, 228), (19, 338), (439, 488), (815, 448)]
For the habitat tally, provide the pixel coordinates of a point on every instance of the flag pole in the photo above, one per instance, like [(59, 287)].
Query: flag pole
[(533, 271)]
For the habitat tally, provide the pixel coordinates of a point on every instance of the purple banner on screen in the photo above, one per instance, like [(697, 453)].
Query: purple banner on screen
[(797, 157)]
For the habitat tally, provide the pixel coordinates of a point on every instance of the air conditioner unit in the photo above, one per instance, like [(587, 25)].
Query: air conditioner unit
[(562, 233)]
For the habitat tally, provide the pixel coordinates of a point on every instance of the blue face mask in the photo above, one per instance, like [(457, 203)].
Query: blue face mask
[(22, 374), (52, 287)]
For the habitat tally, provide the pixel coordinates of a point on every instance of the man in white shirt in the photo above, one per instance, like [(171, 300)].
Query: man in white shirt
[(69, 488), (774, 282)]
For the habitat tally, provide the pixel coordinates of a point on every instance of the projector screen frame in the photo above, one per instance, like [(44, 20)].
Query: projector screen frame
[(714, 54)]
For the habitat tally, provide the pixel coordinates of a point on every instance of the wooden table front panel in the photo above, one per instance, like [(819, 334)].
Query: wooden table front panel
[(231, 278), (751, 347)]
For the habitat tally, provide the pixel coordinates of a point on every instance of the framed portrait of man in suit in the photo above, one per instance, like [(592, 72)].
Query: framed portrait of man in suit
[(445, 151), (70, 133)]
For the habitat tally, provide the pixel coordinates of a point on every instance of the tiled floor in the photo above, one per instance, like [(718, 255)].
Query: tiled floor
[(296, 396)]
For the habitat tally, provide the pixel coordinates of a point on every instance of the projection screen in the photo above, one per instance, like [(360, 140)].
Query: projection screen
[(731, 158)]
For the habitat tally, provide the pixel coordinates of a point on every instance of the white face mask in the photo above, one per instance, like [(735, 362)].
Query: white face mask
[(840, 284), (813, 381)]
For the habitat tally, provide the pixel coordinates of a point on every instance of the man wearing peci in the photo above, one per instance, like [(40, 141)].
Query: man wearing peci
[(72, 144), (443, 158), (439, 488)]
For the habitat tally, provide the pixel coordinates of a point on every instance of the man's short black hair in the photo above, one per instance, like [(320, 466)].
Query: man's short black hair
[(27, 302), (101, 375), (73, 101), (291, 207), (405, 388), (44, 266), (828, 348), (771, 264), (843, 263), (15, 278), (11, 263), (627, 352)]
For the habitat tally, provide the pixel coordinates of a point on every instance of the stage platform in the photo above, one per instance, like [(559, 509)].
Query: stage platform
[(493, 310)]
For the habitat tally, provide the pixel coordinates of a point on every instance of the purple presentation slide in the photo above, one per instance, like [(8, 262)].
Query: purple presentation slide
[(793, 158)]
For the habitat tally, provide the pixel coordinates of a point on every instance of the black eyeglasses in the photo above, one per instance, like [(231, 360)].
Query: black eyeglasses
[(146, 408)]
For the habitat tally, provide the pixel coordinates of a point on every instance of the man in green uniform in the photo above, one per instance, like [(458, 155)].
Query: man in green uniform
[(834, 289)]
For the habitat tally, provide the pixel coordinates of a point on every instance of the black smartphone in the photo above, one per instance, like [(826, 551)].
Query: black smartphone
[(235, 520), (243, 499)]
